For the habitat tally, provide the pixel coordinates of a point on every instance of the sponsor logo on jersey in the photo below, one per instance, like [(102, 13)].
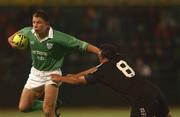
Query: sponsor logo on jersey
[(49, 45)]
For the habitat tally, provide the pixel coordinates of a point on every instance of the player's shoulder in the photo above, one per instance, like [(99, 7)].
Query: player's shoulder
[(111, 64), (62, 34), (25, 30)]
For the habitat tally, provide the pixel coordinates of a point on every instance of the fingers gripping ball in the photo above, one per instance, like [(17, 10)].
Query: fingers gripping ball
[(20, 41)]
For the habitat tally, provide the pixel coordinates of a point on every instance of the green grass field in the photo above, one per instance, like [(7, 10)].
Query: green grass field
[(81, 112)]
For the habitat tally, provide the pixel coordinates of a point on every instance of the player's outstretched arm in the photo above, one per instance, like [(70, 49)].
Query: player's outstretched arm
[(73, 78), (83, 73), (94, 49)]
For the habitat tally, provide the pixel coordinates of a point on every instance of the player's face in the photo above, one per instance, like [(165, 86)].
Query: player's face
[(39, 25)]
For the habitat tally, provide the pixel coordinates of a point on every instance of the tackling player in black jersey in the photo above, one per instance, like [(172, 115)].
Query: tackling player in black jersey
[(145, 98)]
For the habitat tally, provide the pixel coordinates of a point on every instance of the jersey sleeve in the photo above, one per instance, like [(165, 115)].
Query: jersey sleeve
[(25, 30), (78, 44), (71, 42)]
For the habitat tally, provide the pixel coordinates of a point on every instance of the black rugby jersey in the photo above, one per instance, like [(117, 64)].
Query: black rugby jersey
[(119, 76)]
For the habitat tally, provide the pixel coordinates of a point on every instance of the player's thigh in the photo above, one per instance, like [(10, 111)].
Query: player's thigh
[(50, 97), (27, 98)]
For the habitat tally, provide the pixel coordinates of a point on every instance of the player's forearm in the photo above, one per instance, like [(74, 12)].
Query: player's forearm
[(93, 49), (73, 79), (86, 72), (68, 79)]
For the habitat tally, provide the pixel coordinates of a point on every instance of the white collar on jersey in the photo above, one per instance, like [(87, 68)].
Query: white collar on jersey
[(50, 35)]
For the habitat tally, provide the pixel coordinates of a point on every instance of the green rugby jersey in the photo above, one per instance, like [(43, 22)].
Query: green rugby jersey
[(48, 54)]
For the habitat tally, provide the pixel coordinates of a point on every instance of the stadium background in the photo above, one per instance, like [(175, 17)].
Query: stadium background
[(145, 31)]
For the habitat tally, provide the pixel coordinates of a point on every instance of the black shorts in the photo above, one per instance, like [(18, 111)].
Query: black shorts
[(156, 107)]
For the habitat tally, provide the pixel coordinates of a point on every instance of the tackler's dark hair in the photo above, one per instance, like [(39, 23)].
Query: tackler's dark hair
[(109, 51)]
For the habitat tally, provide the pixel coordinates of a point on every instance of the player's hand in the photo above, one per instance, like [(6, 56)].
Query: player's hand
[(11, 43), (55, 78)]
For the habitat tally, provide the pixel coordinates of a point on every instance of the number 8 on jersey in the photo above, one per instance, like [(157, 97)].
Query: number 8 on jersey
[(125, 69)]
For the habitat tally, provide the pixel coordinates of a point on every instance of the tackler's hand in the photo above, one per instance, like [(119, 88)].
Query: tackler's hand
[(55, 78)]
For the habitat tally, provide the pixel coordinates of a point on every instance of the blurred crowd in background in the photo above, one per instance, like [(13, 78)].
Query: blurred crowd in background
[(149, 37)]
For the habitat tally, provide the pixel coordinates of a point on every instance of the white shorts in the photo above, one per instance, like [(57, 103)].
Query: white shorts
[(39, 78)]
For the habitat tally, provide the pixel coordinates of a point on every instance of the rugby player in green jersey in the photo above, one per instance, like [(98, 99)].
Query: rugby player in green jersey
[(48, 48)]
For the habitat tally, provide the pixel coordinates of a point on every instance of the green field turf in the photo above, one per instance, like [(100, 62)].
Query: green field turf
[(81, 112)]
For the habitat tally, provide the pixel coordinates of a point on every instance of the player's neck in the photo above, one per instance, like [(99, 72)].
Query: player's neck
[(43, 34)]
